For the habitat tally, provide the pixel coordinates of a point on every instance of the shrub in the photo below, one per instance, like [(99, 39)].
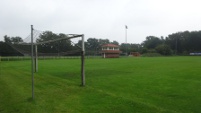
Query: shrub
[(151, 55)]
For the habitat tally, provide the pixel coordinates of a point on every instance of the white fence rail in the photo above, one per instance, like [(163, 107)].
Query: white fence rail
[(21, 58)]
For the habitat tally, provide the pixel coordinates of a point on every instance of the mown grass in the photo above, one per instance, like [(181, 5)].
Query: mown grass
[(124, 85)]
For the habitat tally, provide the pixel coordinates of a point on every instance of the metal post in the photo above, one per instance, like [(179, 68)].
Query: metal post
[(126, 39), (32, 62), (0, 65), (126, 34), (176, 47), (82, 63), (36, 58)]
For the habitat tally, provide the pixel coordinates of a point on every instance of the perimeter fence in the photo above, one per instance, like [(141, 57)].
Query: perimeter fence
[(21, 58)]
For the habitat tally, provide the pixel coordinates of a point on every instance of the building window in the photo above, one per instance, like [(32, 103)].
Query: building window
[(104, 48), (110, 48), (116, 48)]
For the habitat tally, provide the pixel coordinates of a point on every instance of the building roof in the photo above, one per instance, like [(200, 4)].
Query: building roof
[(110, 45)]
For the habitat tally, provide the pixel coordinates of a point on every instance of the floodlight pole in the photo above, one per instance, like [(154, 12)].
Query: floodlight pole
[(32, 62), (82, 63)]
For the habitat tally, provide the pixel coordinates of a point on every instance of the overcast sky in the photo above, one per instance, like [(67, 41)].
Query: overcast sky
[(104, 19)]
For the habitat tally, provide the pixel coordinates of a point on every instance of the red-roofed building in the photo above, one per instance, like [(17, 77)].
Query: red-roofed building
[(110, 51)]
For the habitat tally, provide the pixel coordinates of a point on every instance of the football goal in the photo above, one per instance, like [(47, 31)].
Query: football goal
[(46, 44)]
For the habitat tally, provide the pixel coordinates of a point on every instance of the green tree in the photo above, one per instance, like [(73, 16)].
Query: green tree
[(115, 42), (7, 39), (53, 47), (16, 39), (184, 42), (103, 41), (7, 50), (193, 43), (135, 48), (163, 49), (151, 42), (7, 47), (125, 48), (92, 44)]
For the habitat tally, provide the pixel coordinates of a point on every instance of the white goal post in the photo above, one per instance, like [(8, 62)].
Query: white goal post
[(34, 59)]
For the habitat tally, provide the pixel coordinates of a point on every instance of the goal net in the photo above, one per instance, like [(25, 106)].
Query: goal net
[(46, 44)]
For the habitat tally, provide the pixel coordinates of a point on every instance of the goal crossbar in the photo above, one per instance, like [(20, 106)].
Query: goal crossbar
[(54, 40), (49, 41)]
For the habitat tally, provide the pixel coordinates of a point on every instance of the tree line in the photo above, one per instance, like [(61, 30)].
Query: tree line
[(180, 43)]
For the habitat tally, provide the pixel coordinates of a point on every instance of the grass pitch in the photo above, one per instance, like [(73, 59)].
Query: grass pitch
[(124, 85)]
